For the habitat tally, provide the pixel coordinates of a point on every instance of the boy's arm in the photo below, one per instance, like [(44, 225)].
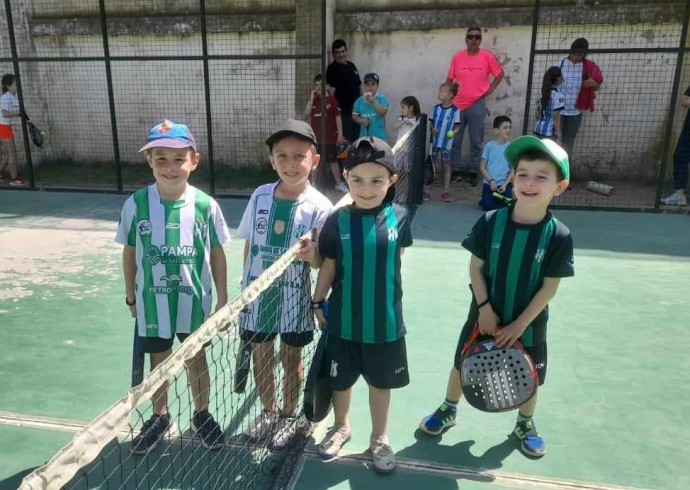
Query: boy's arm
[(323, 284), (219, 270), (309, 252), (360, 120), (129, 267), (488, 320), (557, 124), (339, 128), (381, 110), (509, 334), (484, 169)]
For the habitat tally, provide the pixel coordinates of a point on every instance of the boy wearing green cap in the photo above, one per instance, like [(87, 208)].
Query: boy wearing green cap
[(519, 255)]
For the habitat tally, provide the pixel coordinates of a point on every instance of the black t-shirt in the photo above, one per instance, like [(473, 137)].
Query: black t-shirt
[(365, 304), (346, 82), (517, 258)]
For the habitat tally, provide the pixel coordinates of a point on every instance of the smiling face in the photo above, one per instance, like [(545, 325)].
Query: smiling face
[(340, 55), (171, 168), (369, 183), (293, 159), (537, 182), (504, 131)]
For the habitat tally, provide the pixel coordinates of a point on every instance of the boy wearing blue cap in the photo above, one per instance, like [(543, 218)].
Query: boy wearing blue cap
[(370, 109), (172, 235)]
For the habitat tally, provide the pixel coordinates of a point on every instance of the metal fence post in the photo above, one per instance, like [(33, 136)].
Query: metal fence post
[(207, 97), (530, 69), (111, 96), (17, 76), (666, 154)]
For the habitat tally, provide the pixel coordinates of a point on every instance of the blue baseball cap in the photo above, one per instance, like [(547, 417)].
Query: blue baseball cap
[(170, 135)]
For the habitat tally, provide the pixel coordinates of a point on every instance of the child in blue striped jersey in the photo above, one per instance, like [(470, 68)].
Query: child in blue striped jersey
[(445, 120)]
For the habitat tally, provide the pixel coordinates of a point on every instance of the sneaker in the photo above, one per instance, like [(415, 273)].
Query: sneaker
[(456, 177), (342, 188), (333, 442), (154, 429), (426, 196), (441, 419), (17, 182), (207, 428), (262, 426), (382, 454), (530, 441), (445, 197), (288, 427), (472, 180), (675, 200)]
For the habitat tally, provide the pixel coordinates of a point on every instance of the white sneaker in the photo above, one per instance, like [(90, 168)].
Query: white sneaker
[(262, 426), (288, 427), (382, 454), (675, 200), (333, 442), (342, 188)]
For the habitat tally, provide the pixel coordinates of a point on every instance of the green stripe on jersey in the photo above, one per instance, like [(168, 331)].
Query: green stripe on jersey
[(141, 199), (391, 318), (172, 270), (517, 252), (496, 237), (346, 310), (368, 292)]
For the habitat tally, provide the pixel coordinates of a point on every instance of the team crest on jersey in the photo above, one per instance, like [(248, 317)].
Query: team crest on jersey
[(279, 227), (539, 256), (392, 234), (301, 231), (144, 227), (200, 230), (261, 225)]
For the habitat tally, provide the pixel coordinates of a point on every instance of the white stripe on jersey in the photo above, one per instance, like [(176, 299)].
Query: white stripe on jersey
[(185, 301), (443, 120), (156, 212)]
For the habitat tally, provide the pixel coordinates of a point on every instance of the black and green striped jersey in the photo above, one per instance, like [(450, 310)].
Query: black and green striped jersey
[(517, 257), (366, 297)]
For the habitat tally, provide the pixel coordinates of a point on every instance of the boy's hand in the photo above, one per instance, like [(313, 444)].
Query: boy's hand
[(506, 336), (369, 97), (365, 122), (340, 140), (133, 310), (492, 184), (307, 252), (222, 301), (433, 131), (321, 318), (488, 321), (502, 188)]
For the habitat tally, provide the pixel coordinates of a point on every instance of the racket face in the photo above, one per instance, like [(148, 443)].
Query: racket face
[(35, 134), (497, 379), (317, 388), (242, 365)]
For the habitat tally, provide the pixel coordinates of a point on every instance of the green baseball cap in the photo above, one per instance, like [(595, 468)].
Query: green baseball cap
[(526, 143)]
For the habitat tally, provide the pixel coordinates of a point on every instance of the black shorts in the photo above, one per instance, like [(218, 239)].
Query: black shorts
[(156, 345), (383, 366), (328, 153), (293, 339), (538, 353)]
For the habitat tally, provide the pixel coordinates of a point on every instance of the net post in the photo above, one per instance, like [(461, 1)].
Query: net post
[(530, 69), (207, 97)]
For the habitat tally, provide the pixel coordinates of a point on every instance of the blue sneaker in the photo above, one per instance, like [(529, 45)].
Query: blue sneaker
[(531, 442), (444, 417)]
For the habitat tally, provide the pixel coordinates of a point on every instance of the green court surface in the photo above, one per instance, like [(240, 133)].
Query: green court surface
[(613, 410)]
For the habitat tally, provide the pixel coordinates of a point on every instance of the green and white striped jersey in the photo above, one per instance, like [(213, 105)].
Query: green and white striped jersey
[(272, 226), (173, 241)]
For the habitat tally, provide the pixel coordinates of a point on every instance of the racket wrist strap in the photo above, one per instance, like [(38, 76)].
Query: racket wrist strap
[(132, 303), (317, 305), (483, 304)]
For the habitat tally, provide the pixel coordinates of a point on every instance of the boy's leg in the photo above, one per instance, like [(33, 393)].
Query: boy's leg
[(160, 397), (291, 345), (488, 201), (531, 443), (199, 380), (11, 151), (264, 373), (446, 176), (379, 406)]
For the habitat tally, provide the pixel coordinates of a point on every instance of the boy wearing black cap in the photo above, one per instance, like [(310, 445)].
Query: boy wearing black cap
[(370, 109), (279, 215), (362, 244), (519, 255)]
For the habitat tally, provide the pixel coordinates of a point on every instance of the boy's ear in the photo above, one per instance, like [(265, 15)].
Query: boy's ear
[(394, 178), (315, 160), (561, 187), (196, 158)]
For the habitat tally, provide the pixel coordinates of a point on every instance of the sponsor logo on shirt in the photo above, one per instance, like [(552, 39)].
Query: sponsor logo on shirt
[(171, 254), (261, 225), (172, 285), (172, 226), (144, 227)]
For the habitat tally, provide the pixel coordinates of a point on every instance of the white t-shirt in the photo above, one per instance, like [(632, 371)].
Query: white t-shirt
[(272, 226), (173, 241), (570, 88), (10, 103)]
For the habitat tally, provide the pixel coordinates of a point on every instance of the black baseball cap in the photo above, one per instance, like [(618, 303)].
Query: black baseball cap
[(292, 127), (371, 76), (370, 150)]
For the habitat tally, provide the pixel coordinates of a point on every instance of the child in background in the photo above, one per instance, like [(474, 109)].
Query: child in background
[(550, 106), (9, 110), (334, 130), (498, 175), (445, 120), (404, 156), (370, 109)]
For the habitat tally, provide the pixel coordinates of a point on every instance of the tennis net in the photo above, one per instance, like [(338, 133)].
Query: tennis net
[(100, 455)]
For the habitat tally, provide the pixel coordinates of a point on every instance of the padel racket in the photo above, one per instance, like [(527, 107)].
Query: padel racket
[(137, 358), (35, 133), (496, 379), (242, 364), (507, 200), (318, 394), (342, 151), (429, 169)]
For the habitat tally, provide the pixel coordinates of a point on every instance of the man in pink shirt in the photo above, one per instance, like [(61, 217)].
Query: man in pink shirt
[(470, 69)]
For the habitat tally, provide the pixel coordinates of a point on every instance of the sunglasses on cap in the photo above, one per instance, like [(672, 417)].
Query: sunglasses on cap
[(475, 37)]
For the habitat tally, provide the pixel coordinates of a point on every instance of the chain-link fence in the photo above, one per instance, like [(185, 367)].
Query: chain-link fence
[(96, 75), (622, 153)]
